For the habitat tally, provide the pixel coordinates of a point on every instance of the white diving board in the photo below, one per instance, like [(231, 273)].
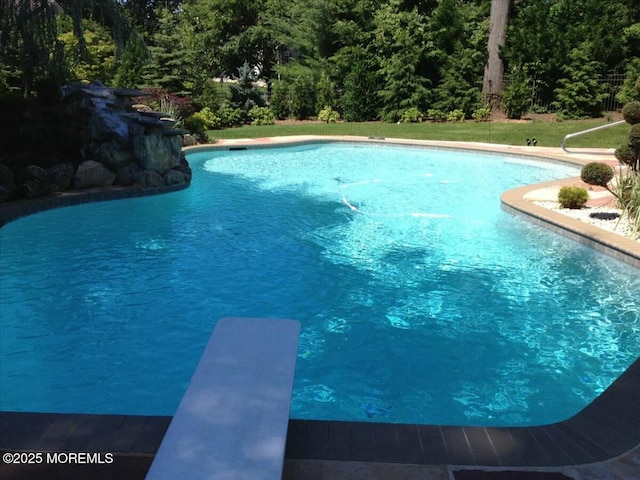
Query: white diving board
[(232, 421)]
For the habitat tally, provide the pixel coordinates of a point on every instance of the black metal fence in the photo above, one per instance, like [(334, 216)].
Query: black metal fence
[(542, 98)]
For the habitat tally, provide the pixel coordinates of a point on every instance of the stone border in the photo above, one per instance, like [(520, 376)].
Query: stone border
[(604, 241)]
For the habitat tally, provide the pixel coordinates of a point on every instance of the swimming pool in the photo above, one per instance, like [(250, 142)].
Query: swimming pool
[(421, 300)]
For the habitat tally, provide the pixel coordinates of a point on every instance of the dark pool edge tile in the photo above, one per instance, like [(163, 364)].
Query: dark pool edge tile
[(607, 428), (14, 210)]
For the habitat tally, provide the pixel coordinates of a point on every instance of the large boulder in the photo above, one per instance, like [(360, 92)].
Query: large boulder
[(7, 183), (93, 174), (61, 176), (189, 140), (175, 177), (149, 178), (113, 154), (128, 174), (33, 181), (156, 151)]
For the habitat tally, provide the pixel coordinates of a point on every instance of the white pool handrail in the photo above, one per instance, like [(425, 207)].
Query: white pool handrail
[(589, 130)]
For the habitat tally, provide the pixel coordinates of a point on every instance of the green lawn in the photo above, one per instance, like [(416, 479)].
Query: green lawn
[(548, 134)]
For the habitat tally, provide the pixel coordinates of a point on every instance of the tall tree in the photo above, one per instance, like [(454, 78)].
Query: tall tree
[(29, 47), (494, 68), (29, 36), (401, 42), (167, 58)]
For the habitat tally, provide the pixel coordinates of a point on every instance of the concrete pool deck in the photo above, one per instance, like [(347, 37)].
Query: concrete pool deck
[(601, 442)]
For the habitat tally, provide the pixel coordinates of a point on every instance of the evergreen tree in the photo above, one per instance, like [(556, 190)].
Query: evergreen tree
[(303, 97), (401, 39), (325, 92), (244, 93), (165, 70), (580, 93), (630, 90), (280, 101), (130, 69), (460, 56), (360, 100)]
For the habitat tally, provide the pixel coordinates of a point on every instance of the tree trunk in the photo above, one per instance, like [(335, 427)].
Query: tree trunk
[(494, 69)]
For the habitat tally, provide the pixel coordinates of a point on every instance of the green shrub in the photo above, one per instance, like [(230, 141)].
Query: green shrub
[(197, 125), (436, 115), (627, 192), (634, 137), (596, 173), (171, 110), (516, 98), (539, 109), (328, 115), (631, 112), (573, 197), (581, 93), (360, 102), (411, 115), (303, 100), (280, 101), (229, 116), (482, 114), (626, 154), (630, 90), (455, 116), (211, 94), (261, 116), (325, 92)]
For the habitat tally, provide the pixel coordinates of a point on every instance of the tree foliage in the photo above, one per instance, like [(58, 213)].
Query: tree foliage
[(97, 61), (378, 58), (580, 93), (165, 69)]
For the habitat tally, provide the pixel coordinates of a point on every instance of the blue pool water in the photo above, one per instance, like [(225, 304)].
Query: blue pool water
[(420, 299)]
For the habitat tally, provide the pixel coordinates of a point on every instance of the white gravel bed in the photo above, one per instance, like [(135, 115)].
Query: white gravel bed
[(607, 218)]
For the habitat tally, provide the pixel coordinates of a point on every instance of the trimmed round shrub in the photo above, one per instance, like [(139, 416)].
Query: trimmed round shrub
[(573, 197), (631, 112), (596, 173), (626, 154), (634, 136)]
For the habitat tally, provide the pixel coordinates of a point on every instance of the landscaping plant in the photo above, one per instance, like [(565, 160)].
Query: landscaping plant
[(573, 197)]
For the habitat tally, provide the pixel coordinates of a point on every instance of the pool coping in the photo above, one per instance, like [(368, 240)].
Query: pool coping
[(607, 428)]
